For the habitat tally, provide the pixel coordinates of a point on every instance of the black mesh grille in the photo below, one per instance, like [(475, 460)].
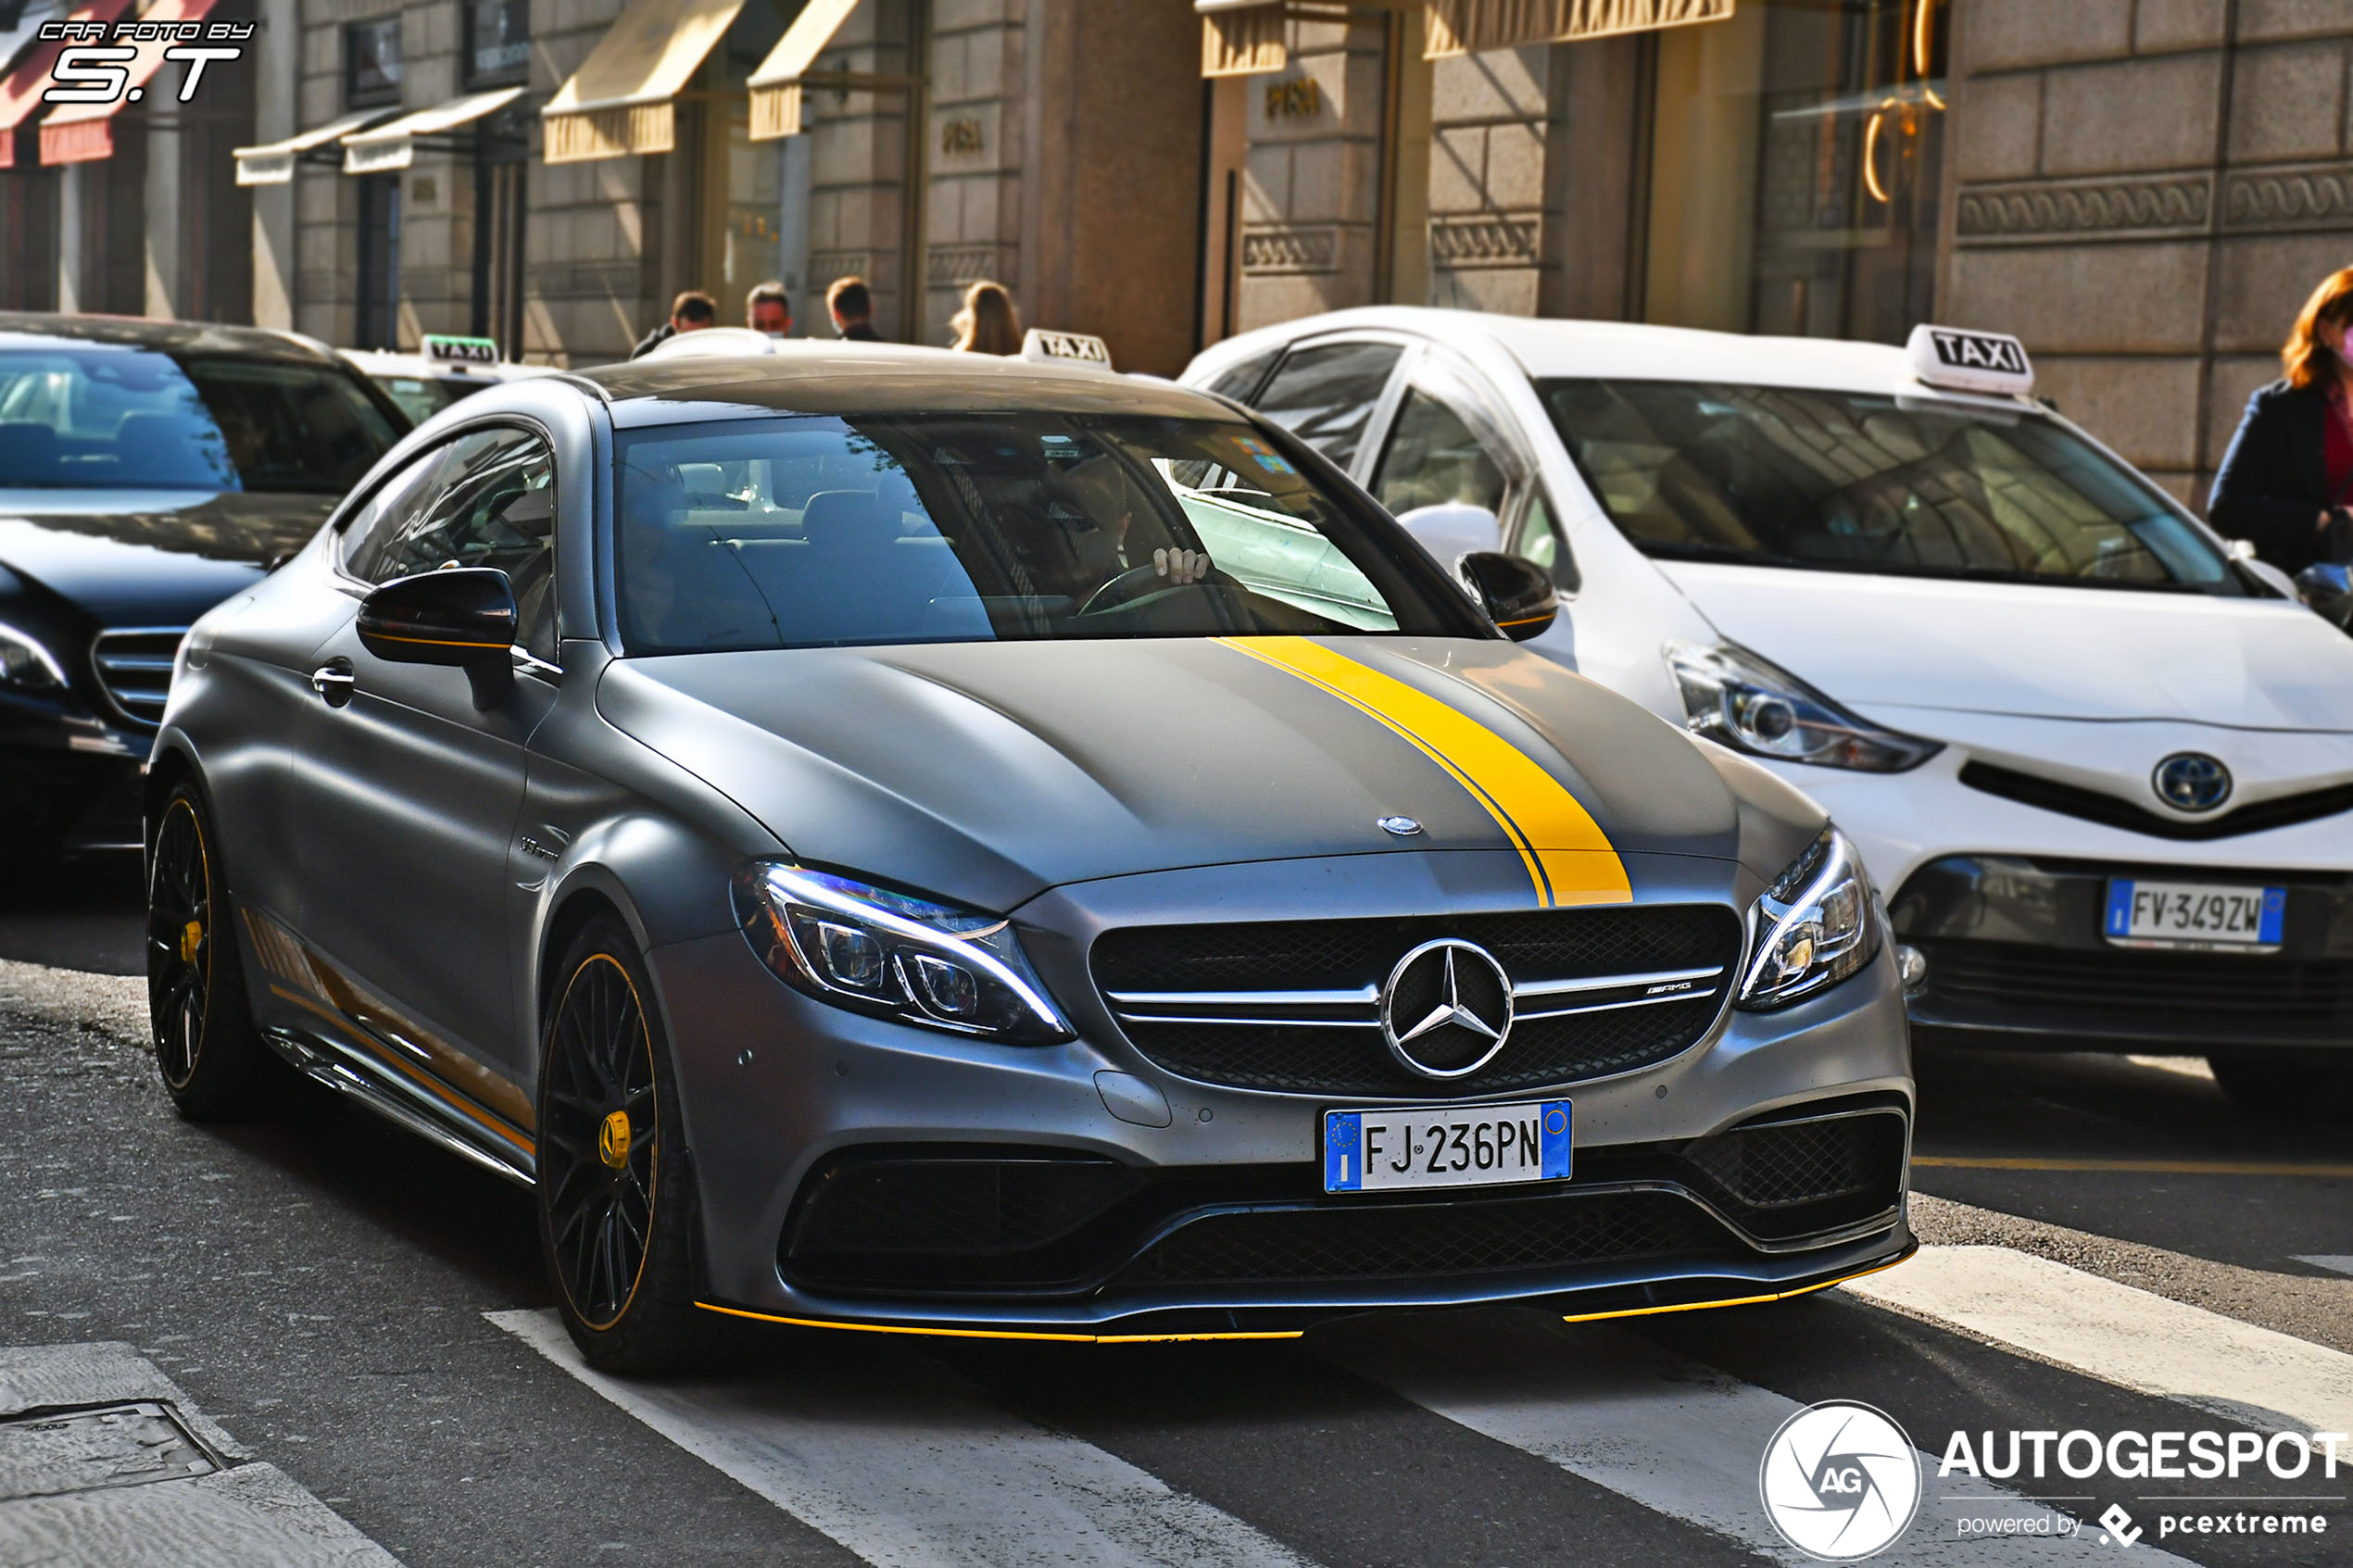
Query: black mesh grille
[(1792, 1178), (1354, 1061), (2120, 984), (1399, 1241), (1328, 955), (859, 1216)]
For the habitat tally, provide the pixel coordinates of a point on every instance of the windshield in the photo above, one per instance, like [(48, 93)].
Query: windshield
[(116, 418), (421, 397), (807, 531), (1851, 482)]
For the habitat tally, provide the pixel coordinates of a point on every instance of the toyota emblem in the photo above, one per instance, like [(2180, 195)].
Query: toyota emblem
[(2190, 780), (1446, 1009)]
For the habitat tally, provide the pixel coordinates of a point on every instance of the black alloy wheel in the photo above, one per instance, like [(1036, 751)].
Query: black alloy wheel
[(212, 1060), (613, 1210)]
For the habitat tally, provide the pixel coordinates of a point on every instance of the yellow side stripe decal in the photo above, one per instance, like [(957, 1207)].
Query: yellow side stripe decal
[(1568, 858)]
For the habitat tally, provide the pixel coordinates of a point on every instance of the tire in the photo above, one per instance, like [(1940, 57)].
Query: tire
[(2287, 1085), (210, 1055), (615, 1192)]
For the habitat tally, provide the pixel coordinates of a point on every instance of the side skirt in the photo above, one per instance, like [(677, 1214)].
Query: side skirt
[(351, 1072)]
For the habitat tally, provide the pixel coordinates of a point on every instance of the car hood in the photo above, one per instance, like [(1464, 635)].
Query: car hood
[(992, 771), (150, 557), (2038, 652)]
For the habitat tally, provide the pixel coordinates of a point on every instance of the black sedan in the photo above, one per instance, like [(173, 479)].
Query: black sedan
[(148, 471)]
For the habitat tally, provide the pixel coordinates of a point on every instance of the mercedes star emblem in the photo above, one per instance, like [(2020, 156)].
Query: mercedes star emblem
[(1403, 827), (1446, 1009)]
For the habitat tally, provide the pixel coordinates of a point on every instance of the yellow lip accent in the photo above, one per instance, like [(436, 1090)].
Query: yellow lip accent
[(612, 1140), (1002, 1333), (1569, 860)]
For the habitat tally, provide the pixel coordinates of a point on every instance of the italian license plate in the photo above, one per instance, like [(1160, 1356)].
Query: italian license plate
[(1469, 1146), (2193, 914)]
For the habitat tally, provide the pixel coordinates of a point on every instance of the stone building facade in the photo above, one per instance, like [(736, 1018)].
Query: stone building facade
[(2145, 192), (2144, 189)]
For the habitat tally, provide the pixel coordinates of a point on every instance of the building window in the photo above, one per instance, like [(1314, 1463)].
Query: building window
[(371, 61), (1796, 159), (498, 41)]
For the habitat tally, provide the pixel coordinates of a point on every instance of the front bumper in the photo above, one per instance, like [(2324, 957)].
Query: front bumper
[(2004, 899), (1225, 1227), (69, 781), (2016, 957)]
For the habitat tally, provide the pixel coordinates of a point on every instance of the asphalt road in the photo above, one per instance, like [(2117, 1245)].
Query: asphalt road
[(356, 1308)]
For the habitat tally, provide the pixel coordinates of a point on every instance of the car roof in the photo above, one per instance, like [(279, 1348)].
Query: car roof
[(21, 329), (814, 377), (1548, 348)]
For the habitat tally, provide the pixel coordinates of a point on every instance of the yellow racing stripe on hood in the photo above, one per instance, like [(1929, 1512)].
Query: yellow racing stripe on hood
[(1568, 858)]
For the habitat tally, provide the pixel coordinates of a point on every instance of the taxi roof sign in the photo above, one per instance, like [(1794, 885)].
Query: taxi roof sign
[(1969, 361), (1043, 347), (444, 349)]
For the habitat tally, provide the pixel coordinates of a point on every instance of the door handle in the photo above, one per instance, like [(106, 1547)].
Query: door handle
[(333, 681)]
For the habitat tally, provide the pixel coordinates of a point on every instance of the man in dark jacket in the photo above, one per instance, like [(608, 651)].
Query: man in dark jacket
[(854, 310), (2287, 479), (690, 312)]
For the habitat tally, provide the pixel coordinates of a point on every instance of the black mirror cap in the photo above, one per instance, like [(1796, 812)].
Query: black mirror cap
[(1517, 595), (460, 615)]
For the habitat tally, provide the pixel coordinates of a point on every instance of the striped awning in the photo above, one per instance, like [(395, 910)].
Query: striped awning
[(1465, 27), (1242, 37), (394, 145), (272, 163), (85, 132), (775, 86), (619, 102)]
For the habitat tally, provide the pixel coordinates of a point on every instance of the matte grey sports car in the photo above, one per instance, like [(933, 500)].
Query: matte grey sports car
[(879, 838)]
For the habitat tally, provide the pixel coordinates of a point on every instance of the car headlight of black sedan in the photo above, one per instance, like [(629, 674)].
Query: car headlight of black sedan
[(25, 665), (895, 955)]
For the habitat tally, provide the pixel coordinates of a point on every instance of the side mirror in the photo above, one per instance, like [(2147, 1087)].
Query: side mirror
[(464, 617), (1517, 595), (1451, 529)]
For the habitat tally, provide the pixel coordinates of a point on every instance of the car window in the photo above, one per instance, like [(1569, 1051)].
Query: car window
[(1540, 541), (1857, 481), (1325, 395), (100, 416), (1434, 458), (484, 499), (1240, 381), (421, 397), (817, 530)]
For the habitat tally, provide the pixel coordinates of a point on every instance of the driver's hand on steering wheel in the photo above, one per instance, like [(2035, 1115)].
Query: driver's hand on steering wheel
[(1181, 567)]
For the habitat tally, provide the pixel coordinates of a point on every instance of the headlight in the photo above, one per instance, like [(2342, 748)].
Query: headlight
[(1814, 927), (25, 665), (1730, 694), (895, 955)]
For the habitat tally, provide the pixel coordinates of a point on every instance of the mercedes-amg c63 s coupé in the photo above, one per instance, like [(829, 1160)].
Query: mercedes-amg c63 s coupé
[(879, 838)]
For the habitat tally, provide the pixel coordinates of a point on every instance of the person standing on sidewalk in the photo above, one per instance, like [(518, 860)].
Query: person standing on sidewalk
[(852, 308), (2286, 483), (988, 323), (690, 312)]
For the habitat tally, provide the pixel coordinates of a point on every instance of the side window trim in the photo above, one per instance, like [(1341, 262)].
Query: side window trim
[(1375, 423)]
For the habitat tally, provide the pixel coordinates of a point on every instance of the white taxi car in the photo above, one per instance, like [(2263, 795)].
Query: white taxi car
[(443, 370), (2098, 763)]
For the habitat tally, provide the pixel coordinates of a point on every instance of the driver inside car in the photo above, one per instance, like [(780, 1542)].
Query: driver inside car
[(1100, 506)]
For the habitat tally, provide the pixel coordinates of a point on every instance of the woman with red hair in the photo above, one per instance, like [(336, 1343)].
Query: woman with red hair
[(2286, 482)]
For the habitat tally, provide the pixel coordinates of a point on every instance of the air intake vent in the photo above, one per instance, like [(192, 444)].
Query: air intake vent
[(135, 669)]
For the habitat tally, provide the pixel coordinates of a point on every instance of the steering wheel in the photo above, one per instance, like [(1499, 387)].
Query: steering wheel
[(1132, 582)]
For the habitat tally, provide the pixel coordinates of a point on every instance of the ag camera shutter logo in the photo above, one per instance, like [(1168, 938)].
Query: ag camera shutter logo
[(1840, 1481)]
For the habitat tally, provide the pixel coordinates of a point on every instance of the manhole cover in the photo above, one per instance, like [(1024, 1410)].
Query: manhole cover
[(106, 1445)]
